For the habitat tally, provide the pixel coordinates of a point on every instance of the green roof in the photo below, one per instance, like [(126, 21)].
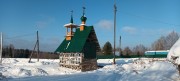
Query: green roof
[(78, 41)]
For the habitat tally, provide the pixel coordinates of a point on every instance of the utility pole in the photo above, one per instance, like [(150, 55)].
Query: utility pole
[(1, 48), (120, 45), (37, 44), (115, 10)]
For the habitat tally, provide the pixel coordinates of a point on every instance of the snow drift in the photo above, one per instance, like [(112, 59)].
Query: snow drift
[(15, 69), (174, 53)]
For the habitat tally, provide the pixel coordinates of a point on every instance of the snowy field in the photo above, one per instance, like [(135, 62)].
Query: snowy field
[(16, 69)]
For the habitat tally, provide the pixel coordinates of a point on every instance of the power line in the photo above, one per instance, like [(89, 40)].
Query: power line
[(150, 19), (20, 36)]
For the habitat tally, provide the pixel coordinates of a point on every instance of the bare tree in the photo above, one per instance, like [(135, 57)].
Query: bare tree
[(11, 50), (159, 44), (165, 43), (170, 40), (139, 49), (127, 51)]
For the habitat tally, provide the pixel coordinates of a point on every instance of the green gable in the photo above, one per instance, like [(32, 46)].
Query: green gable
[(78, 41)]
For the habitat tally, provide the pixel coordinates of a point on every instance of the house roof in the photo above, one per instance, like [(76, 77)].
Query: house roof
[(78, 41)]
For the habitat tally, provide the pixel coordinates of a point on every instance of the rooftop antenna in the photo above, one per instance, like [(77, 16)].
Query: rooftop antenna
[(115, 10)]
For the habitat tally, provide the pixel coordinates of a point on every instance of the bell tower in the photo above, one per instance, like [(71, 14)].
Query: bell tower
[(83, 20), (69, 28)]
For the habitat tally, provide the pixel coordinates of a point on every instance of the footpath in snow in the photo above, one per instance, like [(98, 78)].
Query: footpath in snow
[(16, 69)]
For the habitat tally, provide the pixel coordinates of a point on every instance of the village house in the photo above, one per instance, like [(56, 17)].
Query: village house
[(78, 49)]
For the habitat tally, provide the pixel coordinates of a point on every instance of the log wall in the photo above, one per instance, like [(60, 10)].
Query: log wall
[(76, 61)]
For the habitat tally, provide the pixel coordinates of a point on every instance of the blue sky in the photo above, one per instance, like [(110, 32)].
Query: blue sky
[(138, 21)]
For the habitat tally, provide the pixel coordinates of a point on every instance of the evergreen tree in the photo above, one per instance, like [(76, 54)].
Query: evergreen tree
[(107, 49)]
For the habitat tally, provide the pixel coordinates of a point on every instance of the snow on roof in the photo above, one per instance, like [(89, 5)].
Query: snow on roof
[(70, 24), (158, 51), (174, 53), (82, 24)]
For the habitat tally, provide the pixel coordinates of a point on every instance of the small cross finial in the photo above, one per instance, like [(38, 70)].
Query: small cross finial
[(71, 12), (84, 11), (71, 21)]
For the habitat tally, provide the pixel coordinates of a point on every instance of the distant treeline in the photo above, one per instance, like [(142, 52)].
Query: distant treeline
[(11, 52), (163, 43)]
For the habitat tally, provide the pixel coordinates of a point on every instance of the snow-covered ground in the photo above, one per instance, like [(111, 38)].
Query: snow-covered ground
[(174, 53), (16, 69)]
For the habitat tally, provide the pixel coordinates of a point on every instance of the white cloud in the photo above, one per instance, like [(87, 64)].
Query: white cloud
[(106, 24), (41, 24), (130, 30), (155, 31), (45, 21)]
